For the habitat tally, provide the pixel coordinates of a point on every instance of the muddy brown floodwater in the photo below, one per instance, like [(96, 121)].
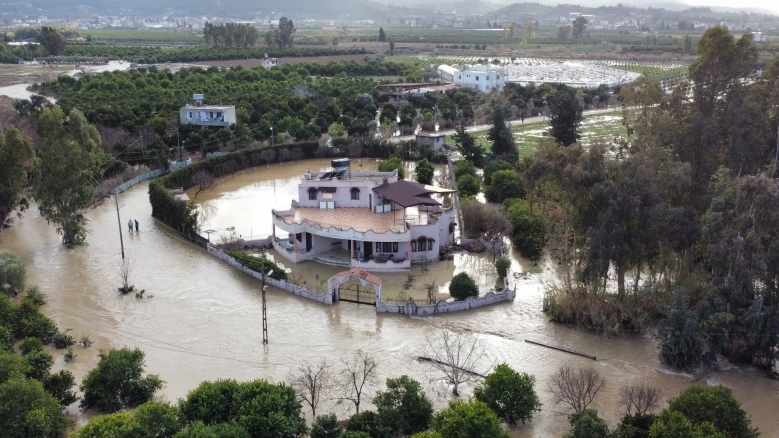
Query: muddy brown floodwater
[(200, 319)]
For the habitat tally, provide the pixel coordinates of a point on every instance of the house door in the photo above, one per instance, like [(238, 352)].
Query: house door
[(308, 241), (367, 249)]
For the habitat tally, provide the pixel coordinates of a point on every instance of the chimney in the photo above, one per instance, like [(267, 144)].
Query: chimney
[(385, 182)]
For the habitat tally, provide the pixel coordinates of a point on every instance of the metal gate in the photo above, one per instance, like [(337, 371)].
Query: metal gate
[(357, 293)]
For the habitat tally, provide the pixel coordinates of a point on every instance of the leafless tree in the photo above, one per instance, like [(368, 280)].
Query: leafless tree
[(245, 162), (443, 179), (256, 159), (576, 387), (456, 355), (231, 167), (639, 398), (222, 169), (321, 151), (294, 279), (301, 90), (284, 155), (357, 373), (431, 288), (496, 225), (125, 269), (355, 150), (112, 137), (268, 155), (297, 154), (203, 180), (310, 381)]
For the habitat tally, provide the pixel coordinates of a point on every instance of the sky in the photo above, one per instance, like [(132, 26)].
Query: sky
[(771, 5)]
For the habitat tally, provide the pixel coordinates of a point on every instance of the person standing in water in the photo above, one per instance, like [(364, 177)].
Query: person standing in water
[(136, 226), (130, 225)]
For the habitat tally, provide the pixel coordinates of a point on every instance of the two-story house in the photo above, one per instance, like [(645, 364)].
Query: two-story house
[(367, 220)]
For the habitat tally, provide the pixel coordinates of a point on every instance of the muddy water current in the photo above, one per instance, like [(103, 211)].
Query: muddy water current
[(200, 320)]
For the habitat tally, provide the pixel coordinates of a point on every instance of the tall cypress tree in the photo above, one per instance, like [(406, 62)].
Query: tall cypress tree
[(382, 35), (500, 133), (565, 116)]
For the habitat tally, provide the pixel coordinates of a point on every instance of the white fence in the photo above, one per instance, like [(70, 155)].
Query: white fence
[(300, 291), (411, 308), (149, 175)]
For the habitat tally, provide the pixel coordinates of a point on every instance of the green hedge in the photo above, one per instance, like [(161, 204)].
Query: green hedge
[(257, 263)]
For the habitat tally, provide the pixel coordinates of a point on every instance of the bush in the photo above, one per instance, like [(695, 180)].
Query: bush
[(468, 185), (59, 385), (462, 287), (716, 406), (40, 327), (505, 184), (117, 382), (27, 410), (404, 407), (470, 418), (62, 340), (502, 265), (258, 263), (424, 172), (29, 345), (529, 231), (36, 296), (12, 273), (40, 363), (392, 163), (510, 394), (587, 424), (495, 166), (261, 408), (368, 422), (464, 167), (326, 426)]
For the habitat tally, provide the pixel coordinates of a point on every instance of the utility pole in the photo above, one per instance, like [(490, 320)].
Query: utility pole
[(119, 220), (264, 311), (264, 302), (178, 141), (265, 306)]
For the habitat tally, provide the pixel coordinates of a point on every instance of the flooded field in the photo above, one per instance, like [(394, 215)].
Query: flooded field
[(200, 319)]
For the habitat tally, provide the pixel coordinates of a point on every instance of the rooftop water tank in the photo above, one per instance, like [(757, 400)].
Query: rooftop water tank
[(341, 163)]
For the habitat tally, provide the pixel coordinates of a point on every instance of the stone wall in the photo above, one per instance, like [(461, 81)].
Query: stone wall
[(411, 308), (281, 284), (149, 175)]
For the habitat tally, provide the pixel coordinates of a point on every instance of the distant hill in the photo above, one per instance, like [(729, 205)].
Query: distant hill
[(297, 9), (658, 12), (350, 9)]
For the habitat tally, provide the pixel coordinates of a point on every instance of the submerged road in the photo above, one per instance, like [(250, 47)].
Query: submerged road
[(482, 128)]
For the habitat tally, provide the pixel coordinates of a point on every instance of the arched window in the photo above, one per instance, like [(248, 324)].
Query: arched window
[(422, 244), (355, 193), (312, 194)]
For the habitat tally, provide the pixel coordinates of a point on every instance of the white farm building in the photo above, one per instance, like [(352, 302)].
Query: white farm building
[(485, 78)]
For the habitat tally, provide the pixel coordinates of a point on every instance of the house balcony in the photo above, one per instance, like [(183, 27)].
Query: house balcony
[(344, 223), (379, 264), (287, 250)]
